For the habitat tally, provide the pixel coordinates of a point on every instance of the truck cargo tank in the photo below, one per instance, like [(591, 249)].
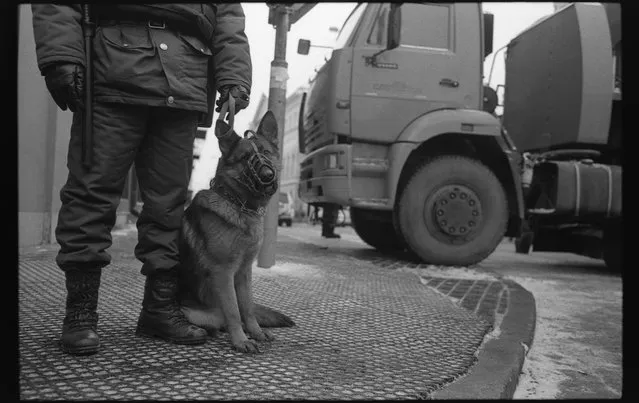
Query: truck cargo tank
[(560, 81)]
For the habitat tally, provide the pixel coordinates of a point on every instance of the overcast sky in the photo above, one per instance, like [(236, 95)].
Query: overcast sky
[(510, 19)]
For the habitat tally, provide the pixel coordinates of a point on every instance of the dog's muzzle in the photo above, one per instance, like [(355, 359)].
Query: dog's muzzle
[(260, 174)]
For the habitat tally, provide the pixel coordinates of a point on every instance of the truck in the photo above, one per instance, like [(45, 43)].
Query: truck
[(562, 108), (400, 126)]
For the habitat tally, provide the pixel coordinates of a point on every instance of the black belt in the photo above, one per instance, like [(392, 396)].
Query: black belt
[(156, 24)]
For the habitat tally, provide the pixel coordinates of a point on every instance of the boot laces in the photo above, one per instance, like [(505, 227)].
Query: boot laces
[(81, 320), (176, 315), (81, 310)]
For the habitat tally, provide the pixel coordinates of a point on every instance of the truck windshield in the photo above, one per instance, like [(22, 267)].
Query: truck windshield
[(349, 26)]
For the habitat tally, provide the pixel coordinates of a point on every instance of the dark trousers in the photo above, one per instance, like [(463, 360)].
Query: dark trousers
[(160, 142), (329, 218)]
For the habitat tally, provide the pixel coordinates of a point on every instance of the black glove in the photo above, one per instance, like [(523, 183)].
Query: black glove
[(238, 92), (65, 82)]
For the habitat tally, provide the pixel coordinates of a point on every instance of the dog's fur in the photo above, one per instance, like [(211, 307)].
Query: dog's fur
[(222, 231)]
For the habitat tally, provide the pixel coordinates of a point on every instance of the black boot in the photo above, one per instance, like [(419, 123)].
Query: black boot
[(329, 232), (161, 316), (80, 325)]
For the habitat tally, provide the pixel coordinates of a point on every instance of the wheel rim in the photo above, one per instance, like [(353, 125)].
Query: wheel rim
[(453, 214)]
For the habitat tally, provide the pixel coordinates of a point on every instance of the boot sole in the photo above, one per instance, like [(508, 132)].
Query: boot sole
[(87, 350), (155, 335)]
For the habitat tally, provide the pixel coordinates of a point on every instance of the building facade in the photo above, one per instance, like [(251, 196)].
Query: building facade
[(291, 157)]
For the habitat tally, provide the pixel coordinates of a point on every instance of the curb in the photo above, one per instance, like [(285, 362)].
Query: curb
[(495, 374), (499, 362)]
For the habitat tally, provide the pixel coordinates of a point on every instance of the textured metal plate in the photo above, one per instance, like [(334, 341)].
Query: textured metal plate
[(362, 333)]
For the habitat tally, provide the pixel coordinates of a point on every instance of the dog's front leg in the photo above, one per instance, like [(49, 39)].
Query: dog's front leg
[(225, 292), (243, 283)]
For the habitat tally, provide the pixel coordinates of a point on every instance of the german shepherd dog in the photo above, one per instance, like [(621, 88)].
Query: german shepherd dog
[(222, 231)]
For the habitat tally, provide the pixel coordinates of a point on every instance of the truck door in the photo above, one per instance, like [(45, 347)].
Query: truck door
[(421, 75)]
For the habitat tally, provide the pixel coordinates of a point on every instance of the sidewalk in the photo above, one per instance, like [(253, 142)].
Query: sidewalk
[(364, 331)]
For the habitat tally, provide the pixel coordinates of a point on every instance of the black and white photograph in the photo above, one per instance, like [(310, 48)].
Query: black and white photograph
[(319, 201)]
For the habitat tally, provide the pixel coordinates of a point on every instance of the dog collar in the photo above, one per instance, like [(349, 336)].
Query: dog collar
[(222, 191)]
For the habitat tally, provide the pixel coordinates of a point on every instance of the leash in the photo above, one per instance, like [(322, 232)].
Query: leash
[(228, 106)]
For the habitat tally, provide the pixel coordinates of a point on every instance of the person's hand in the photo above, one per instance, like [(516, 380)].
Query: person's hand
[(239, 93), (65, 82)]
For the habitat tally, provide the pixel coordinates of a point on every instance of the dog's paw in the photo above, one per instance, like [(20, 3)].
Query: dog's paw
[(246, 346), (266, 335), (257, 333)]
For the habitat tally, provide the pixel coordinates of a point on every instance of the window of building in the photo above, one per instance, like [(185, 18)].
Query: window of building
[(291, 121), (291, 168)]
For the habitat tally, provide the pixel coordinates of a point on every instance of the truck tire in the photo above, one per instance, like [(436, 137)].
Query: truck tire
[(377, 230), (453, 211)]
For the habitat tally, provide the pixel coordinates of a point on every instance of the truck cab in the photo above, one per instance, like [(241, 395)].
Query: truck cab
[(398, 106)]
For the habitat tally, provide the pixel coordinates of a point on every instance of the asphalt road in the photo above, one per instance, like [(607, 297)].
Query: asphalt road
[(576, 351)]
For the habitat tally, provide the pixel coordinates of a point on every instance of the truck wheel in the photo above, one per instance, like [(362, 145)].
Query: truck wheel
[(376, 229), (453, 211)]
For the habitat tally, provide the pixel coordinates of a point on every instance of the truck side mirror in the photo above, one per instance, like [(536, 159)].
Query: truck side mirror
[(489, 20), (303, 46), (394, 26)]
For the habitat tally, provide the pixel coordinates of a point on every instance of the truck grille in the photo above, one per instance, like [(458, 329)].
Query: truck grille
[(315, 119), (316, 134)]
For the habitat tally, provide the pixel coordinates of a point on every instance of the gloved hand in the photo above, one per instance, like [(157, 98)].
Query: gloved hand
[(238, 92), (65, 82)]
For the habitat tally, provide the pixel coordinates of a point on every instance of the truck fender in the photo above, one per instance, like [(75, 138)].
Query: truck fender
[(443, 121), (434, 124), (450, 121)]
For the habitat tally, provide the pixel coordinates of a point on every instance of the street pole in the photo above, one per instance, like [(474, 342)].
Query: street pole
[(277, 105)]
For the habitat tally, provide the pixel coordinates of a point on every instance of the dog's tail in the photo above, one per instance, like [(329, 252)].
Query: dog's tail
[(267, 317)]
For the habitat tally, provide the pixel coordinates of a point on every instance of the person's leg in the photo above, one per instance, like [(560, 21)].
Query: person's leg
[(89, 203), (329, 220), (163, 169)]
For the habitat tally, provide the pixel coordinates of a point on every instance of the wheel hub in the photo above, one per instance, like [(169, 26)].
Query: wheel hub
[(456, 210)]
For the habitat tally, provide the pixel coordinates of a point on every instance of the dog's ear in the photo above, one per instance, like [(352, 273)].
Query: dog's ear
[(226, 136), (268, 127)]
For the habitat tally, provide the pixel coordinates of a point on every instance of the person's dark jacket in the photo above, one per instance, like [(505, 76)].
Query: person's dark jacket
[(213, 53)]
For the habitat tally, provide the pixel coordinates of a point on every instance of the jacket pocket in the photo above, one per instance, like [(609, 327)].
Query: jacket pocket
[(127, 37), (197, 45), (123, 53), (194, 62)]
